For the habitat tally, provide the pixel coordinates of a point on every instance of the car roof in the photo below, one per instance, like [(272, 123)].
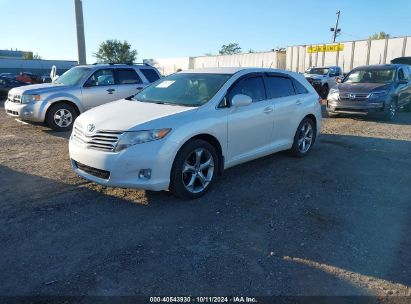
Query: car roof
[(379, 66), (234, 70), (99, 65)]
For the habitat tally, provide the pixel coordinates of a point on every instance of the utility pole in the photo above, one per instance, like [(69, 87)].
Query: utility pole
[(335, 29), (81, 41)]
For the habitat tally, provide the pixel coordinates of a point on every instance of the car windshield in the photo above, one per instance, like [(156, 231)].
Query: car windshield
[(371, 76), (317, 71), (72, 76), (186, 89)]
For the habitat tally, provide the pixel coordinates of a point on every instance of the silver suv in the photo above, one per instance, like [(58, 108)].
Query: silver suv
[(81, 88)]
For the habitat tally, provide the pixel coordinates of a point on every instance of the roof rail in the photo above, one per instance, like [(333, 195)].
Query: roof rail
[(126, 63)]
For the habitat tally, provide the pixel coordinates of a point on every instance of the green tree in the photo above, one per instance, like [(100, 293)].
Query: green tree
[(380, 35), (28, 55), (115, 51), (230, 49)]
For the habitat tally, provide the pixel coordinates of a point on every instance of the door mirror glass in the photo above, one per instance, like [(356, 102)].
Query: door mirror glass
[(241, 100)]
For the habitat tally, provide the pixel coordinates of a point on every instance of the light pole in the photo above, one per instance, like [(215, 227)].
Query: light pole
[(335, 29), (81, 41)]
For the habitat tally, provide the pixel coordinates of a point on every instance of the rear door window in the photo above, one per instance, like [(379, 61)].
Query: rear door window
[(280, 86), (127, 76), (253, 87), (150, 74)]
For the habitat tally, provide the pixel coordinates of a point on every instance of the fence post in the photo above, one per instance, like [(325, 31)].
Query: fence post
[(404, 45), (368, 52), (352, 55), (385, 51)]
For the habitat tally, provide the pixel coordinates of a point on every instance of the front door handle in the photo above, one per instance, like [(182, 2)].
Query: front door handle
[(298, 102), (268, 110), (110, 91), (139, 88)]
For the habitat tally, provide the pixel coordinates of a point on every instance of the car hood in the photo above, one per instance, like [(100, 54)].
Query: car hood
[(129, 115), (363, 87), (37, 88), (314, 76)]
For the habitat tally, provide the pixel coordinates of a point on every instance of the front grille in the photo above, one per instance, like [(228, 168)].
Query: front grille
[(93, 171), (100, 140), (353, 96), (16, 98)]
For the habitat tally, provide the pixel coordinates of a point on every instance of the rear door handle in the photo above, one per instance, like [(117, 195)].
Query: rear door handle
[(298, 102), (268, 110), (110, 91)]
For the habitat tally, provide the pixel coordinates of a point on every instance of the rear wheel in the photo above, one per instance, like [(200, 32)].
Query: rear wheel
[(304, 138), (194, 169), (60, 117)]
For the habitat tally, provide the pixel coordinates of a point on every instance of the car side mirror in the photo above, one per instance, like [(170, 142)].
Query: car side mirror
[(90, 83), (241, 100)]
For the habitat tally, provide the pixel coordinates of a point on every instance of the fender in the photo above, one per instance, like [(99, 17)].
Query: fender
[(58, 97)]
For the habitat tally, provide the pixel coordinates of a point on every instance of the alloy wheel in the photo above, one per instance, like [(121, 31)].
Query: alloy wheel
[(305, 137), (63, 118), (198, 170)]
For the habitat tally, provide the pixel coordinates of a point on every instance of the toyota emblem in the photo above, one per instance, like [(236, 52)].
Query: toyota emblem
[(91, 128), (352, 96)]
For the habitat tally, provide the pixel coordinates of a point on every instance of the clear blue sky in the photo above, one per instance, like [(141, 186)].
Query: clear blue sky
[(174, 28)]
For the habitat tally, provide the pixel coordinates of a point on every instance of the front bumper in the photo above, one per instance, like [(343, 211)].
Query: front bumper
[(30, 111), (355, 107), (122, 169)]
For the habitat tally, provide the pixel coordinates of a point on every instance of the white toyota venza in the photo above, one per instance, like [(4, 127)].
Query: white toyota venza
[(181, 132)]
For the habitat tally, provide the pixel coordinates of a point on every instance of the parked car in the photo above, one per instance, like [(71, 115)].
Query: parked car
[(46, 79), (79, 89), (183, 131), (29, 77), (9, 75), (323, 78), (376, 89), (402, 60), (6, 84)]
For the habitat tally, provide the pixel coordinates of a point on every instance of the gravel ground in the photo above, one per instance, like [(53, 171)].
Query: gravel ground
[(334, 223)]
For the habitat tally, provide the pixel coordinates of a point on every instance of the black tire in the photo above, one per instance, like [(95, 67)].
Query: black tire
[(407, 108), (69, 115), (324, 91), (301, 136), (391, 111), (180, 181)]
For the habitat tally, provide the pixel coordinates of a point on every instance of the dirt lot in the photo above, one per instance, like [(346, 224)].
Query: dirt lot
[(335, 223)]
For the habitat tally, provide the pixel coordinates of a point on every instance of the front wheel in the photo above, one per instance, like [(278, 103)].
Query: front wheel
[(391, 111), (60, 117), (194, 170), (304, 138)]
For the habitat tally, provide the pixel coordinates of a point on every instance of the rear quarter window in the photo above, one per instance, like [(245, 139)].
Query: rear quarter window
[(299, 88), (150, 74)]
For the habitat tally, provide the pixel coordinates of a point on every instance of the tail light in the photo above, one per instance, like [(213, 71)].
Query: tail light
[(320, 100)]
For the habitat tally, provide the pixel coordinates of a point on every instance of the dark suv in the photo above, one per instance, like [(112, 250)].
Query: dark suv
[(375, 89)]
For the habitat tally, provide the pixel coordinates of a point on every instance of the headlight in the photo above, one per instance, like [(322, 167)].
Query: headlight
[(138, 137), (378, 94), (29, 98), (334, 94)]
